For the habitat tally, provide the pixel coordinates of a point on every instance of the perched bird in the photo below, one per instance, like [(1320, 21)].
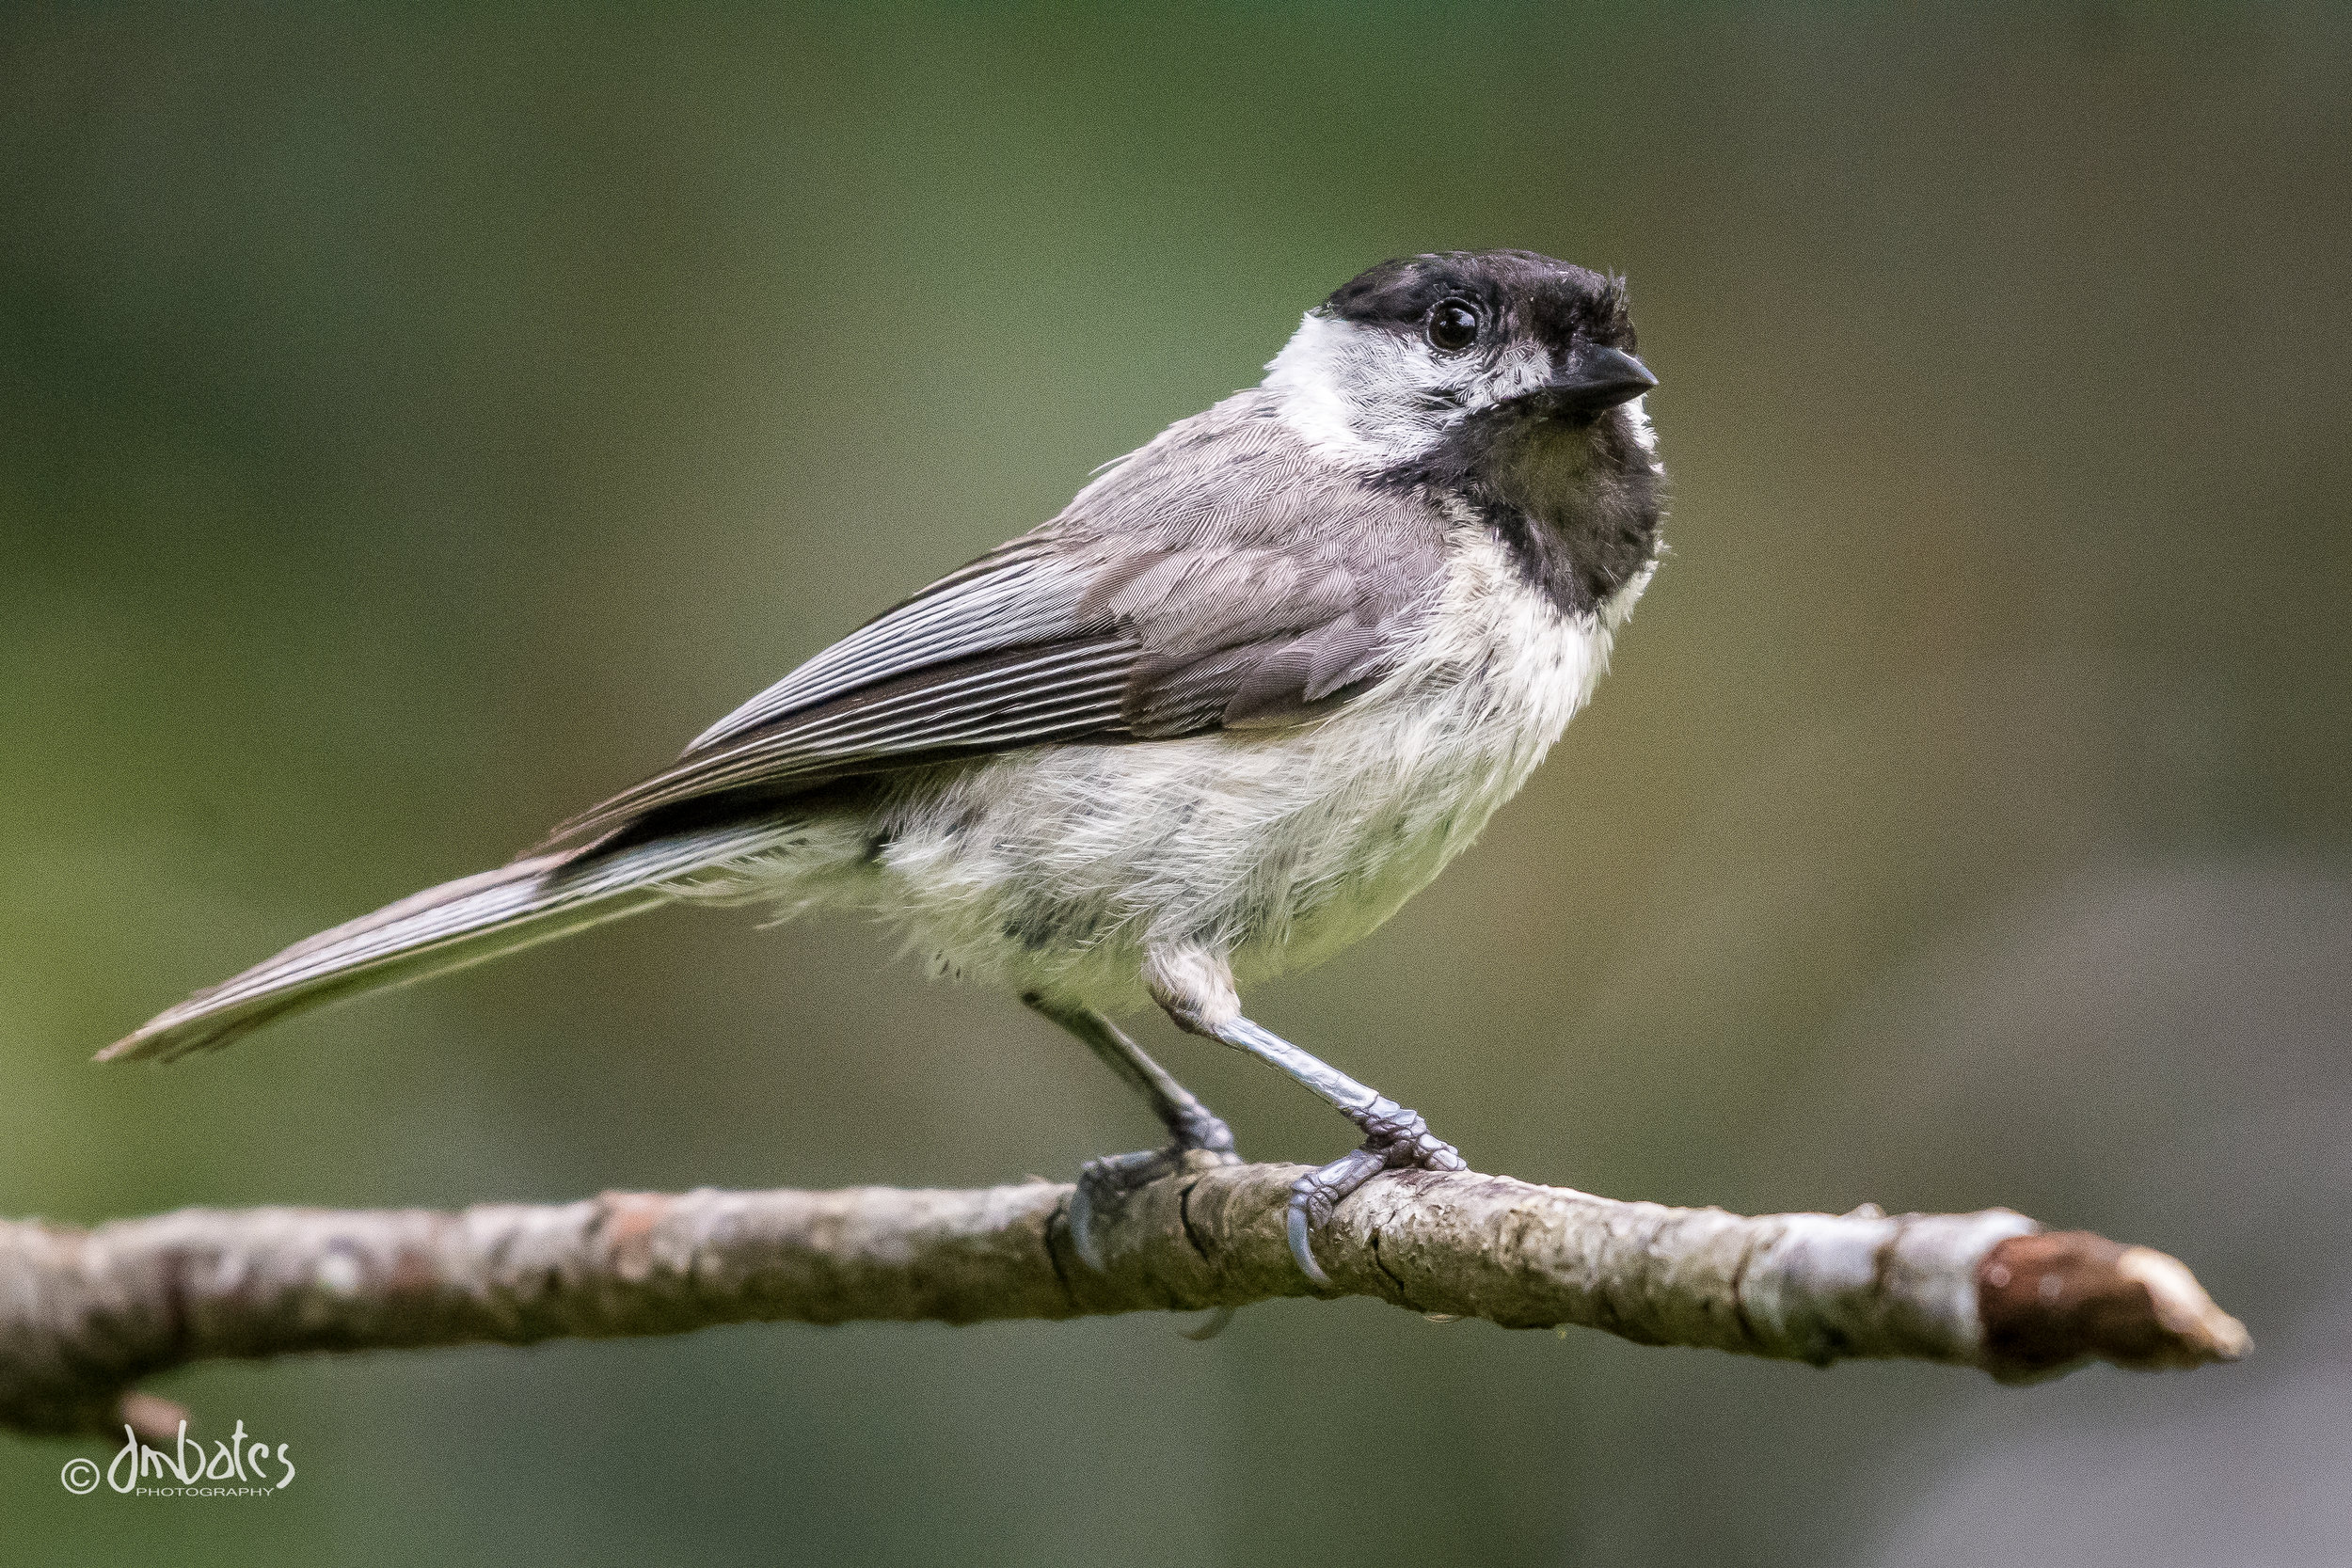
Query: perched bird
[(1252, 689)]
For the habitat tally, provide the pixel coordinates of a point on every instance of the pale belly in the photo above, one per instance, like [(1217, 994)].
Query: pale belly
[(1058, 870)]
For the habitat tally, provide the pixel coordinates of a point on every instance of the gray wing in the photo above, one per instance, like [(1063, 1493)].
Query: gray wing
[(1222, 576)]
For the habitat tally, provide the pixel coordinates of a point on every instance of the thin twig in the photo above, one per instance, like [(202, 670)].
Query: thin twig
[(87, 1315)]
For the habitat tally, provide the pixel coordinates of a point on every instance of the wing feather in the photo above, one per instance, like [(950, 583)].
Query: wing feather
[(1016, 594), (1222, 576)]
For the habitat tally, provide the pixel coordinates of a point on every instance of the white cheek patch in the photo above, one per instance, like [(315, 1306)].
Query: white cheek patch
[(1358, 395), (1372, 398)]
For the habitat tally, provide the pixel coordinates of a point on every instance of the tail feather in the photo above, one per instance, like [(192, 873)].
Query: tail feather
[(429, 933)]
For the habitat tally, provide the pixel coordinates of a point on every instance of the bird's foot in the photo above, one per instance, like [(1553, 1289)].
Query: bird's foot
[(1201, 1141), (1394, 1138)]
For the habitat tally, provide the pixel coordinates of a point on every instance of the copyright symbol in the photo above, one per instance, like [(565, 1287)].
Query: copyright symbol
[(80, 1477)]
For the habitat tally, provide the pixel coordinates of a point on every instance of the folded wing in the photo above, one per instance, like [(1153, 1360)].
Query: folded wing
[(1223, 577)]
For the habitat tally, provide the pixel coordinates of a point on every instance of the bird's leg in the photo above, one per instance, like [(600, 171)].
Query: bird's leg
[(1196, 990), (1193, 1128), (1394, 1137)]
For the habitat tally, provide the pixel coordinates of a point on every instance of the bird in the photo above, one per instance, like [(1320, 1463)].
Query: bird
[(1253, 688)]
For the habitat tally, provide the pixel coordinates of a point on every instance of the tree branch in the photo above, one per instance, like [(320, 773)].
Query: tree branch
[(86, 1315)]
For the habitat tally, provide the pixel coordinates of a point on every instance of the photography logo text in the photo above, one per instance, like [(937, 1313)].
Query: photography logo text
[(240, 1466)]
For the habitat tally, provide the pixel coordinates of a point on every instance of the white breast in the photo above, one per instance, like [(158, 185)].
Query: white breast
[(1057, 869), (1416, 772)]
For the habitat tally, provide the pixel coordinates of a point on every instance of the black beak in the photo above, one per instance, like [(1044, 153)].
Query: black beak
[(1595, 379)]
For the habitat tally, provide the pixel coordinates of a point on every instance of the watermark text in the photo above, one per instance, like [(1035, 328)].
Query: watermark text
[(237, 1467)]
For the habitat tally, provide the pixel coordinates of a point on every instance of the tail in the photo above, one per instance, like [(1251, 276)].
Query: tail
[(432, 933)]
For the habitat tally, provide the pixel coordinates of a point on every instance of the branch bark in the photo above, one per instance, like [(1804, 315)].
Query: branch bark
[(87, 1315)]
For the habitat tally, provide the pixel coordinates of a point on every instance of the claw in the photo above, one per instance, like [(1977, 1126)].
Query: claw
[(1104, 1183), (1395, 1138), (1220, 1318), (1300, 1249), (1082, 1226)]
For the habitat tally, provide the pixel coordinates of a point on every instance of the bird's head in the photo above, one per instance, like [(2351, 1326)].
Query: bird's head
[(1504, 385), (1430, 352)]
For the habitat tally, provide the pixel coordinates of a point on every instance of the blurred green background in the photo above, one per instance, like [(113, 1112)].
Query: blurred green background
[(416, 422)]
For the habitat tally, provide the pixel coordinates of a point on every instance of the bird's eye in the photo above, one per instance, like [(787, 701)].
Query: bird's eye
[(1453, 326)]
